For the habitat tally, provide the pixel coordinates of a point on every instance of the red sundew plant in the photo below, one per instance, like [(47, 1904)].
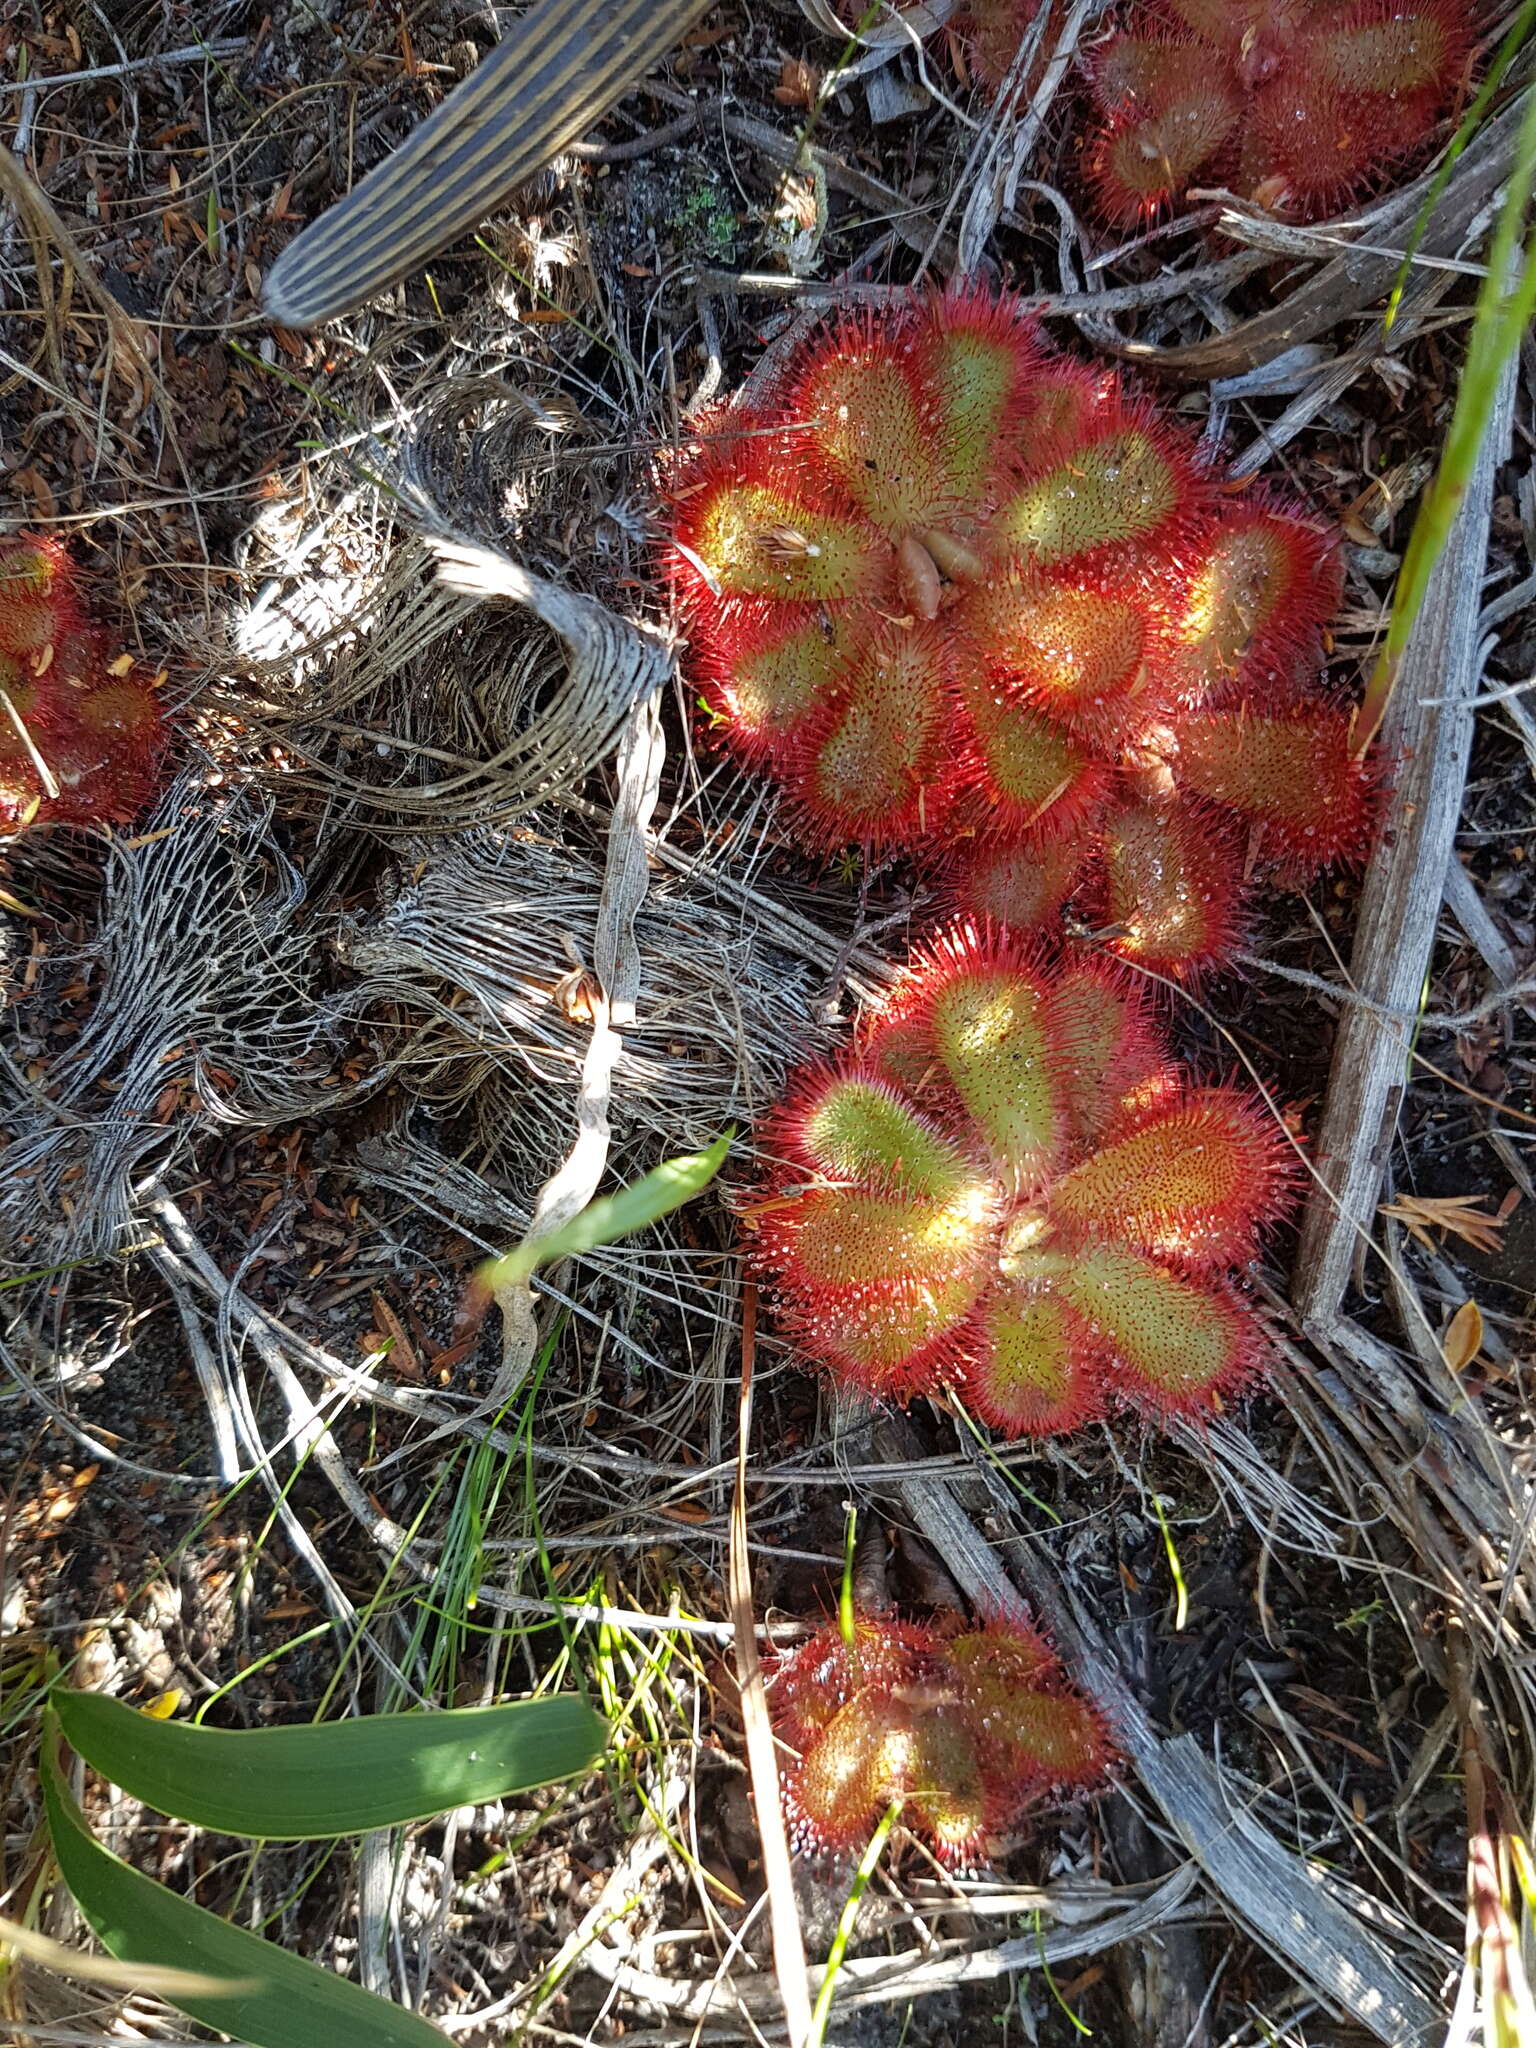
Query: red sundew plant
[(1297, 103), (993, 31), (1005, 1187), (952, 590), (65, 707), (966, 1727)]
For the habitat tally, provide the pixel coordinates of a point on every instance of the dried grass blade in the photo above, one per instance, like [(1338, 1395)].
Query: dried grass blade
[(572, 1187)]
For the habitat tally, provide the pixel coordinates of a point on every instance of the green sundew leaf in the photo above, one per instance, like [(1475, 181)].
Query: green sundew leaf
[(1168, 883), (871, 428), (319, 1780), (1293, 771), (991, 1034), (893, 739), (1193, 1179), (643, 1202), (974, 374), (1112, 490), (1030, 1369), (928, 1250), (1174, 1340), (1031, 763), (1391, 57), (861, 1131), (776, 683), (759, 540), (294, 2003)]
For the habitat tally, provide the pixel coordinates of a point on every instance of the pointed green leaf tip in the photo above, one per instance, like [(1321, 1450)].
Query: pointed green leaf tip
[(642, 1203)]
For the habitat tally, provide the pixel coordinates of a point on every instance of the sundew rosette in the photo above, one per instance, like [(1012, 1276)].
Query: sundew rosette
[(965, 1728), (1007, 1189), (1297, 104), (958, 594)]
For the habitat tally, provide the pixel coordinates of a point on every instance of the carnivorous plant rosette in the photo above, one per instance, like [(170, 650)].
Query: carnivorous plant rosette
[(1005, 1186), (80, 734), (958, 594), (965, 1727), (1299, 104)]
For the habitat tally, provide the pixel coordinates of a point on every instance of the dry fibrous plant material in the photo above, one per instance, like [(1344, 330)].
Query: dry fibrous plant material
[(965, 1728), (959, 594), (1297, 104), (206, 1006), (80, 731), (447, 687), (485, 950), (1006, 1186)]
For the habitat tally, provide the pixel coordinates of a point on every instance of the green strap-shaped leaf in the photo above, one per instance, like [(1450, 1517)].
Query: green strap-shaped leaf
[(277, 2000), (335, 1777)]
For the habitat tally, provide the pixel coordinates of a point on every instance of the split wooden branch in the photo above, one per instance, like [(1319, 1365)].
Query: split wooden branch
[(1427, 739)]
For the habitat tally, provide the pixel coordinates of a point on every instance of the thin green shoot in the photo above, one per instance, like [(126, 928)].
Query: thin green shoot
[(273, 1656), (821, 2012), (610, 347), (295, 1894), (1181, 1591), (563, 1965), (1051, 1984), (283, 376), (1520, 1862), (25, 1683), (240, 1591), (985, 1446), (74, 1265), (845, 1593), (856, 35), (376, 1598), (461, 1559), (535, 1519)]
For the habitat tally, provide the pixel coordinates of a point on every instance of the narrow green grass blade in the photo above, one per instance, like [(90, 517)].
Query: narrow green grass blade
[(643, 1202), (293, 2004), (1506, 303), (332, 1777)]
